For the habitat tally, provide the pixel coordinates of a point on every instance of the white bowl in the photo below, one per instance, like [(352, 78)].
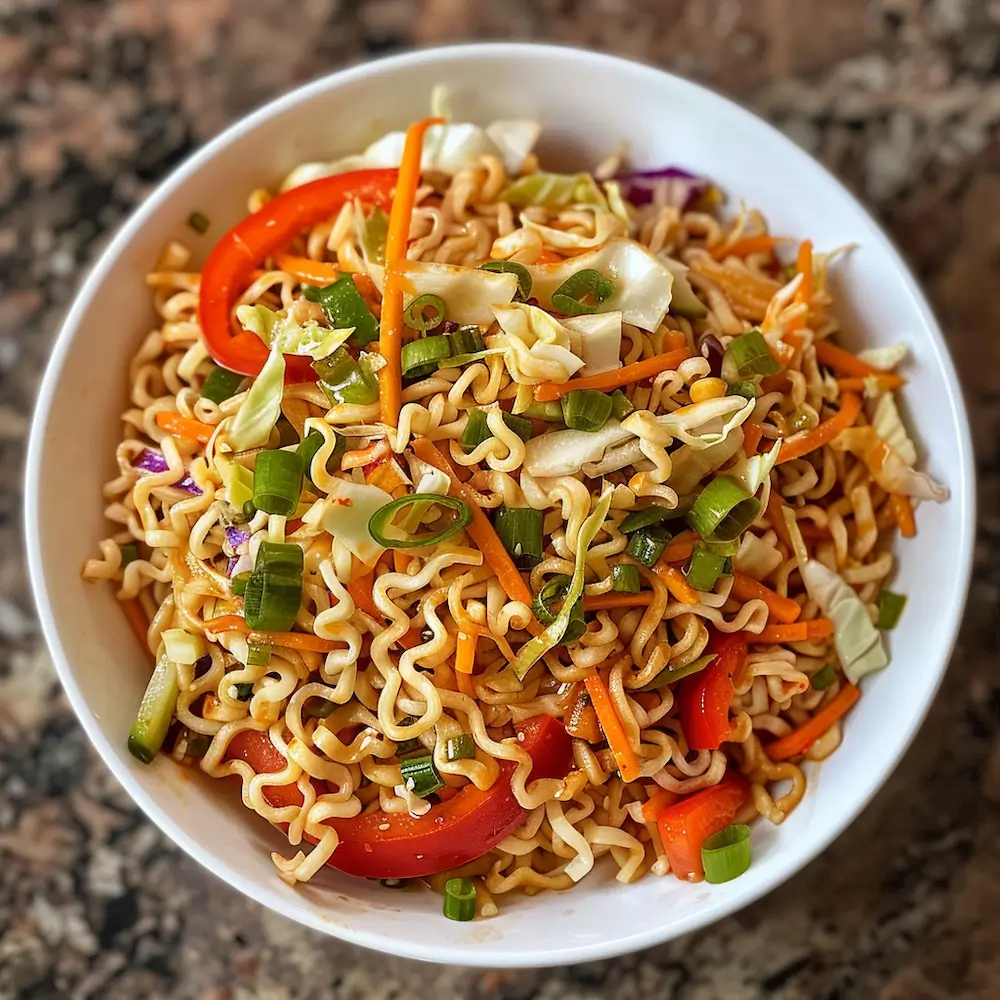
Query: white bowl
[(588, 103)]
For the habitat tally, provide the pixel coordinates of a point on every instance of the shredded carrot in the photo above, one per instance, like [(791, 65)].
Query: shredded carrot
[(804, 266), (390, 341), (860, 383), (466, 685), (614, 732), (676, 584), (800, 740), (479, 528), (605, 602), (465, 652), (360, 589), (775, 514), (550, 257), (290, 640), (185, 427), (659, 801), (841, 361), (806, 441), (674, 340), (680, 547), (401, 560), (315, 272), (745, 247), (614, 379), (902, 510), (784, 609), (818, 628), (137, 619), (361, 457), (775, 383), (752, 433)]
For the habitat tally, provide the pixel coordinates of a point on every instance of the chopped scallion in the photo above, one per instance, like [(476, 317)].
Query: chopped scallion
[(239, 583), (477, 428), (459, 899), (466, 340), (625, 579), (722, 511), (582, 293), (258, 654), (647, 544), (726, 854), (130, 552), (823, 678), (421, 358), (512, 267), (669, 676), (198, 221), (381, 522), (746, 388), (221, 384), (243, 691), (520, 530), (317, 708), (620, 405), (460, 747), (550, 411), (654, 514), (274, 590), (277, 482), (420, 776), (752, 356), (704, 568), (425, 312), (890, 608), (553, 593), (344, 306), (586, 409), (345, 380)]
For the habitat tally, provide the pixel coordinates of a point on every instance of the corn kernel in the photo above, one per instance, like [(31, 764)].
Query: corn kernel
[(707, 388)]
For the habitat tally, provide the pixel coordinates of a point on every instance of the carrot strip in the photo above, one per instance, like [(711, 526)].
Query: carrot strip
[(674, 340), (745, 588), (314, 272), (804, 266), (612, 380), (137, 620), (800, 740), (681, 546), (390, 341), (775, 514), (676, 584), (817, 628), (842, 361), (653, 806), (614, 733), (360, 590), (185, 427), (902, 510), (605, 602), (550, 257), (290, 640), (752, 433), (479, 528), (806, 441), (465, 652), (400, 560), (745, 247), (360, 457), (884, 380)]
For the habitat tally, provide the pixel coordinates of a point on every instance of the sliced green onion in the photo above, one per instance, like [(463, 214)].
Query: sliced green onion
[(408, 747), (344, 380), (466, 340), (752, 356), (243, 691), (345, 306), (620, 405), (182, 646), (277, 482), (667, 676), (550, 411), (586, 409), (425, 312), (420, 776), (890, 608), (258, 654), (459, 899), (727, 566), (520, 530), (647, 544), (317, 708), (156, 710), (306, 451), (130, 552), (421, 358), (274, 590), (644, 518), (747, 389), (705, 568), (196, 744), (238, 583), (555, 591), (477, 428), (582, 293), (221, 384), (198, 221), (460, 747), (287, 434), (625, 579), (726, 854), (512, 267), (823, 678), (381, 521), (249, 510), (722, 511)]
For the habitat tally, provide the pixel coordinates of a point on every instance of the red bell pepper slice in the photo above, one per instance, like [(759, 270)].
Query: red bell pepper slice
[(685, 825), (452, 833), (704, 698), (229, 268)]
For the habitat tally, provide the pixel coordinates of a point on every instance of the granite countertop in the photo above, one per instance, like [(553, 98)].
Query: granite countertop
[(100, 98)]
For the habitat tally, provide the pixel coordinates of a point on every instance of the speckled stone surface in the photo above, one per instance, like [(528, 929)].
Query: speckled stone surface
[(100, 98)]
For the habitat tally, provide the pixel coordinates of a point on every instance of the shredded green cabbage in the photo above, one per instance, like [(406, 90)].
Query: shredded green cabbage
[(541, 188)]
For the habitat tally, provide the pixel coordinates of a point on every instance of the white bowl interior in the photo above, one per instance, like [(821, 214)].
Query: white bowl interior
[(589, 103)]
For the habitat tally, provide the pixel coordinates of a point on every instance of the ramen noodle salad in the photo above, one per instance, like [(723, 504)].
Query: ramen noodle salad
[(484, 521)]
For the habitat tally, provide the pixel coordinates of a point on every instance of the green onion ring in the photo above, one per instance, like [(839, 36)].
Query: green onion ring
[(382, 519)]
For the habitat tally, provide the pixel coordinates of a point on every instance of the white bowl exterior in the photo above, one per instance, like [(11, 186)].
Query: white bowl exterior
[(588, 103)]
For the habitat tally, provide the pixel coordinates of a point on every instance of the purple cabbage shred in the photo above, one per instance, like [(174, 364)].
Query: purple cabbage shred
[(682, 188), (150, 460)]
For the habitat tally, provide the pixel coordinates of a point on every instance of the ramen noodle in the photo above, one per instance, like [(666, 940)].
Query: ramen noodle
[(484, 522)]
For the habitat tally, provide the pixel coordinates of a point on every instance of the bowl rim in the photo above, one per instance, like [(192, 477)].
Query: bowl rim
[(963, 495)]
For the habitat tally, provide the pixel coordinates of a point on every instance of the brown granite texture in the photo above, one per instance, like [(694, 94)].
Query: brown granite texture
[(100, 98)]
